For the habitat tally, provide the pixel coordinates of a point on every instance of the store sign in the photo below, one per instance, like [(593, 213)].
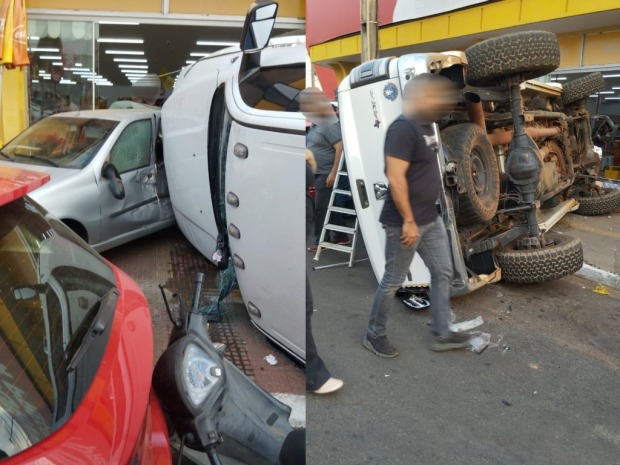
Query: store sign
[(406, 10)]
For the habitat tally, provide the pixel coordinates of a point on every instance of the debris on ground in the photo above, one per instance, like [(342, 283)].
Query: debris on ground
[(271, 359), (415, 302), (479, 342), (466, 325), (600, 289)]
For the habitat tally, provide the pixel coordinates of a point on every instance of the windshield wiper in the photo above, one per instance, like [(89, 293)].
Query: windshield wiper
[(8, 157), (93, 325), (43, 159)]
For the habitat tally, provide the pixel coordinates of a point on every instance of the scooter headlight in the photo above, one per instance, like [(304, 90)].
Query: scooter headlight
[(199, 374)]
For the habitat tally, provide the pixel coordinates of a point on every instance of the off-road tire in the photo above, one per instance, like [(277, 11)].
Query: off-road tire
[(581, 88), (541, 265), (529, 54), (599, 204), (476, 171)]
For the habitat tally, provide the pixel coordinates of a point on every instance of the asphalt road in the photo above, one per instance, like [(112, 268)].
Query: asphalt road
[(547, 393)]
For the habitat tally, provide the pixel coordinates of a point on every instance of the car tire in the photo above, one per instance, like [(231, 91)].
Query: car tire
[(599, 204), (562, 258), (476, 171), (581, 88), (529, 54)]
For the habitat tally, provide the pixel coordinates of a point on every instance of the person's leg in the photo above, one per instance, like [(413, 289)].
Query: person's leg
[(321, 202), (434, 249), (397, 261), (317, 373)]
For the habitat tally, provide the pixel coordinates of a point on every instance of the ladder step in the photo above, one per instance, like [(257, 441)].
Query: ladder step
[(340, 191), (343, 173), (348, 211), (332, 246), (342, 229)]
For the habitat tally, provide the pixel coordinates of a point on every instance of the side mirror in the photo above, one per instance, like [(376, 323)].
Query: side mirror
[(110, 173), (258, 25)]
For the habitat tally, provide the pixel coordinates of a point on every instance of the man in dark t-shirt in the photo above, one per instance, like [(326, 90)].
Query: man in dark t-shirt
[(410, 217)]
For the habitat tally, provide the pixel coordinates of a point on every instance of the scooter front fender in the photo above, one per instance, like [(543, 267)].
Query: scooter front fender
[(252, 422)]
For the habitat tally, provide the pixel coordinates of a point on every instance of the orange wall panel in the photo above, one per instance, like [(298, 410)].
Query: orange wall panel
[(286, 9), (142, 6)]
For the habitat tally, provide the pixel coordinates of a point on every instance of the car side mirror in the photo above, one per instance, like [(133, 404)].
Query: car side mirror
[(110, 173), (258, 25)]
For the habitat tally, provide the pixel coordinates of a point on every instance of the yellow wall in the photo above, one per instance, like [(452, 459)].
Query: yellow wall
[(287, 8), (143, 6), (12, 104)]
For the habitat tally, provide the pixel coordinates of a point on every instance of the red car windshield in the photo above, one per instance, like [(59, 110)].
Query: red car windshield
[(51, 287)]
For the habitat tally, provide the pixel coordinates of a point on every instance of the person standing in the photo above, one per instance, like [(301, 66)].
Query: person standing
[(318, 378), (324, 140), (410, 217)]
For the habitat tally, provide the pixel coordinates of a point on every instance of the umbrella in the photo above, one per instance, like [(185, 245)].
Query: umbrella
[(13, 35)]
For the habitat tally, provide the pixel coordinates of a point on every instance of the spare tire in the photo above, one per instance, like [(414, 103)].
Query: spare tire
[(602, 204), (563, 257), (529, 54), (581, 88), (476, 171)]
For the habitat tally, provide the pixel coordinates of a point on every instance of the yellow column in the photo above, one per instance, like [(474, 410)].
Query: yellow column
[(13, 117)]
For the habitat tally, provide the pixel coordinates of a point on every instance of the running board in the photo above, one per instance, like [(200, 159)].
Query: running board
[(549, 217)]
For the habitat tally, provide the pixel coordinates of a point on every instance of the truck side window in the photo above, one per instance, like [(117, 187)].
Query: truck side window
[(132, 150), (274, 89)]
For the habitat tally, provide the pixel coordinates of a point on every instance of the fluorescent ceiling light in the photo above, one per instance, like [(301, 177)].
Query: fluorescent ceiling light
[(215, 43), (57, 63), (612, 98), (130, 60), (190, 62), (134, 71), (105, 83), (50, 57), (611, 75), (78, 65), (199, 54), (44, 49), (67, 82), (616, 88), (559, 78), (35, 81), (34, 38), (114, 40), (128, 23), (593, 96), (607, 92), (78, 70), (123, 52), (134, 66)]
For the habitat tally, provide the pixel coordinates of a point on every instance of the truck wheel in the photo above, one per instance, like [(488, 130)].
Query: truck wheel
[(476, 170), (581, 88), (529, 54), (599, 204), (563, 257)]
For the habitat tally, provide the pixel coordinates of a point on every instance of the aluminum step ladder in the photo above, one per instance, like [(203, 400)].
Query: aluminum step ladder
[(328, 226)]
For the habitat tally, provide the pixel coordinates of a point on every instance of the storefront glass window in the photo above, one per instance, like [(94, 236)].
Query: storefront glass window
[(61, 72)]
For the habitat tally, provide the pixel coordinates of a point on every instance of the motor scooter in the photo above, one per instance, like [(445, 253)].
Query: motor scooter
[(214, 409)]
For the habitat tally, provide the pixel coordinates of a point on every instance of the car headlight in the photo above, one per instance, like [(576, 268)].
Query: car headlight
[(200, 373)]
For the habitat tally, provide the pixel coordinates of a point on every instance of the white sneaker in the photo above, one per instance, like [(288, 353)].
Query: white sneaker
[(331, 385)]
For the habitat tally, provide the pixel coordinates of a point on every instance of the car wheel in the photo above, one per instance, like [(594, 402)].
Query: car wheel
[(581, 88), (529, 54), (561, 258), (476, 170), (602, 204)]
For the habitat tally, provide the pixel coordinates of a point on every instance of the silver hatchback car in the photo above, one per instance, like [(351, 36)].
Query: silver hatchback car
[(108, 181)]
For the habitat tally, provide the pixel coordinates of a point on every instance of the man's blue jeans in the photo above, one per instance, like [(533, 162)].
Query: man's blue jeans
[(434, 248)]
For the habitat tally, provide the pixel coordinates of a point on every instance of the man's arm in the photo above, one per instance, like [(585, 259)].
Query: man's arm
[(396, 171), (331, 178), (311, 160)]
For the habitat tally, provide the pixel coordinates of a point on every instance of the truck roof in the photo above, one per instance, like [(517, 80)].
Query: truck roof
[(17, 182)]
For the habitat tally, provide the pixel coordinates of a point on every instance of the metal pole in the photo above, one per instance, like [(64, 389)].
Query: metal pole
[(369, 30)]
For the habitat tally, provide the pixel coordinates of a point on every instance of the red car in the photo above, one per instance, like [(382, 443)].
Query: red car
[(75, 346)]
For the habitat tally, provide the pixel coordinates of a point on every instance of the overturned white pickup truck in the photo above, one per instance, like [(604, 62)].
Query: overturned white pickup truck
[(516, 155), (233, 144)]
